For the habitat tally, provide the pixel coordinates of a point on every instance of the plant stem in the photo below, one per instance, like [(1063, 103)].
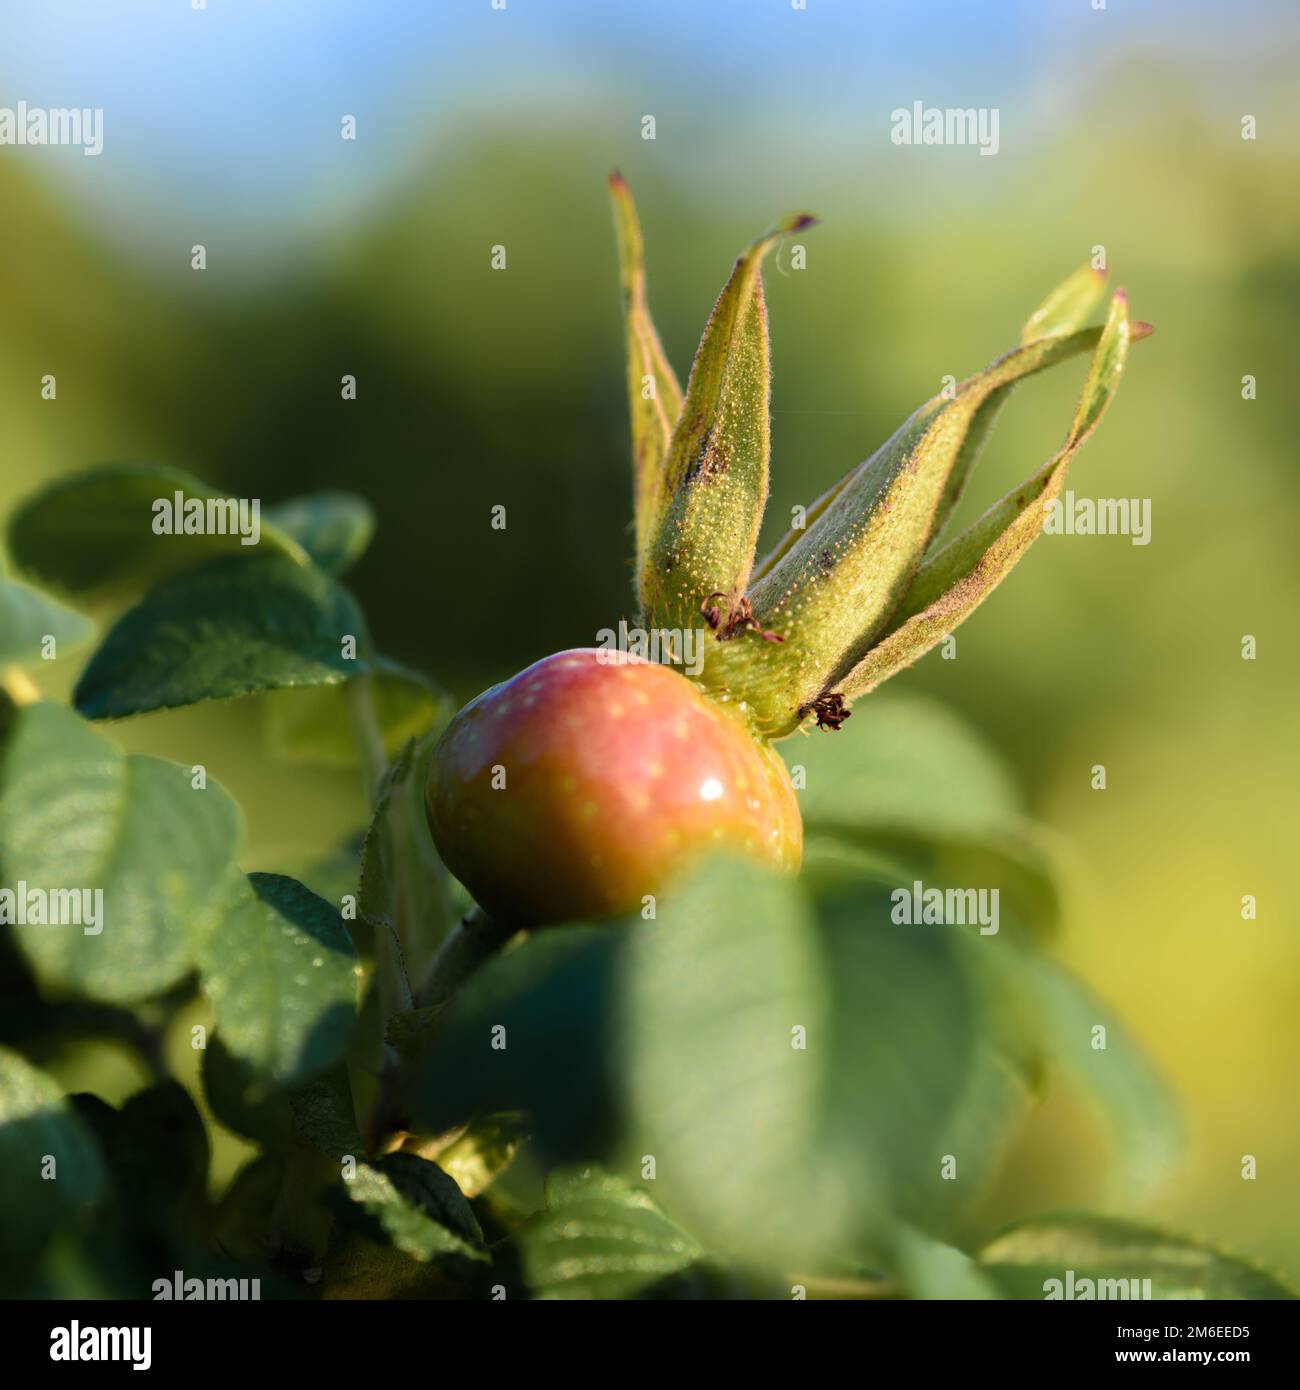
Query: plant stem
[(476, 938)]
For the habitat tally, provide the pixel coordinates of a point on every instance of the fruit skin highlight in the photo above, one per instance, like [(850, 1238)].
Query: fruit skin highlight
[(612, 774)]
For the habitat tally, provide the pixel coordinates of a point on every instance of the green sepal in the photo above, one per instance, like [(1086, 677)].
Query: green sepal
[(951, 584), (703, 529)]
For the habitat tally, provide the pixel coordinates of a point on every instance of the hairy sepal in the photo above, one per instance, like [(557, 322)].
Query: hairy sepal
[(654, 396), (835, 588), (709, 505), (952, 583)]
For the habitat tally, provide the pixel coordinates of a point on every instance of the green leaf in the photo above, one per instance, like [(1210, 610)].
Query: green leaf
[(410, 1203), (706, 517), (91, 533), (314, 724), (282, 973), (602, 1238), (911, 782), (319, 1111), (235, 626), (485, 1149), (653, 415), (404, 889), (28, 619), (156, 1149), (37, 1128), (677, 1039), (1060, 1017), (76, 813), (1098, 1248), (334, 528), (952, 583)]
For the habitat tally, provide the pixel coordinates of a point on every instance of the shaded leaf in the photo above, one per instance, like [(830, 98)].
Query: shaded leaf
[(37, 1128), (314, 724), (908, 781), (404, 887), (235, 626), (92, 533), (79, 815), (1060, 1014), (281, 972), (334, 528), (28, 618)]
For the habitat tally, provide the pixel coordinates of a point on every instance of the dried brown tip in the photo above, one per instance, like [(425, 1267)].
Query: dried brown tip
[(617, 181)]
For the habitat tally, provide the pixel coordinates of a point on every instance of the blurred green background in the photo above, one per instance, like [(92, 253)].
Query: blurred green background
[(1119, 127)]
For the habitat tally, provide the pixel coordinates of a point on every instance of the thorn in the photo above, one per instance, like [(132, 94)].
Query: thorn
[(1140, 330)]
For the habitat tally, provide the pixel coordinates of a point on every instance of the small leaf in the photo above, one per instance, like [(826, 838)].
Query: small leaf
[(405, 889), (411, 1204), (654, 397), (38, 1126), (314, 724), (601, 1238), (281, 972), (484, 1150), (705, 524), (951, 584), (28, 618), (92, 533), (235, 626), (1115, 1257), (334, 528), (80, 817)]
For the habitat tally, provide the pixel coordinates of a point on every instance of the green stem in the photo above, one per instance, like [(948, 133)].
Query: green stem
[(475, 939)]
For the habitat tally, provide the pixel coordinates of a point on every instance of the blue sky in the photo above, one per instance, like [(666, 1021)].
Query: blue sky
[(214, 113)]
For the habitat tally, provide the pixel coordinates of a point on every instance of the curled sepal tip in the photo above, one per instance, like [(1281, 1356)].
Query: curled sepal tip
[(950, 585)]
